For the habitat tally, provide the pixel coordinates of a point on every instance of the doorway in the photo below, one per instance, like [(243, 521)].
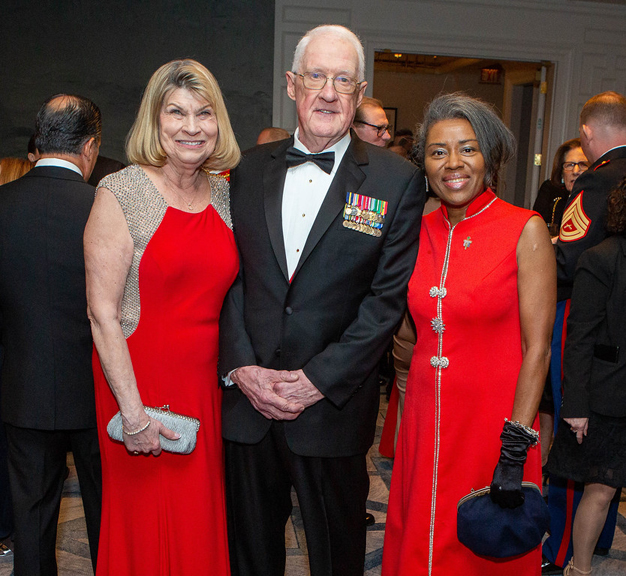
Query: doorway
[(406, 82)]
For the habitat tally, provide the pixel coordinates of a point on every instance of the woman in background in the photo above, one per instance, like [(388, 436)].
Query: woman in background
[(569, 163)]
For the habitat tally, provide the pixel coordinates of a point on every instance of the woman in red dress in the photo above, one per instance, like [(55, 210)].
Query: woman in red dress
[(482, 297), (160, 256)]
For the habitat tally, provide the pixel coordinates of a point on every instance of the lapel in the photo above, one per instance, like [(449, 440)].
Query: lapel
[(273, 183), (348, 178)]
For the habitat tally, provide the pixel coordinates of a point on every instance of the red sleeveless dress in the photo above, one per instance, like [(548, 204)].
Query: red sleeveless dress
[(460, 388), (166, 516)]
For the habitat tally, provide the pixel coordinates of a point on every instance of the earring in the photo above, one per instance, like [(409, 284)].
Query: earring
[(562, 181), (426, 180)]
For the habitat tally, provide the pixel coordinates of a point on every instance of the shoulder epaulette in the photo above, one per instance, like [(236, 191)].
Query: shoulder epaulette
[(601, 164)]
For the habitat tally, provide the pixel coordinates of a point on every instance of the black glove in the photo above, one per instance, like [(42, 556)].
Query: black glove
[(506, 486)]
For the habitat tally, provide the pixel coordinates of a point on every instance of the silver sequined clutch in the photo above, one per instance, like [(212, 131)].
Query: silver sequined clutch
[(186, 426)]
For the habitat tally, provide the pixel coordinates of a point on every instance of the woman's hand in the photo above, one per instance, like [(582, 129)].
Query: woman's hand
[(506, 486), (147, 441), (579, 427)]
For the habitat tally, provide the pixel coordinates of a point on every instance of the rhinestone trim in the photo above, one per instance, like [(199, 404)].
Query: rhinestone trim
[(144, 209), (434, 292), (437, 325), (220, 198), (440, 362)]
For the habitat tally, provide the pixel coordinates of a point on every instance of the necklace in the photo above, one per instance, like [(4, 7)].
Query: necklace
[(188, 203)]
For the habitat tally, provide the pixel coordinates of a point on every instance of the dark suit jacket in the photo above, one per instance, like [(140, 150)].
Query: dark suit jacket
[(47, 380), (337, 316), (597, 318), (594, 185)]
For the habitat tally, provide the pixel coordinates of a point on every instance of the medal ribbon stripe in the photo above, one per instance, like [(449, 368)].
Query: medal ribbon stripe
[(364, 213)]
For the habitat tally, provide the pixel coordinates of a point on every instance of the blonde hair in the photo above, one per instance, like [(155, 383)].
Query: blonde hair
[(143, 145), (13, 168)]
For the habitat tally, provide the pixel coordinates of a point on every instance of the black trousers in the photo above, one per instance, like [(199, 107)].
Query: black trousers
[(37, 461), (332, 493)]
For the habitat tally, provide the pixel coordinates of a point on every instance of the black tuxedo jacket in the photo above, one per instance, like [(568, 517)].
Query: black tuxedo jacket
[(337, 315), (594, 185), (47, 380)]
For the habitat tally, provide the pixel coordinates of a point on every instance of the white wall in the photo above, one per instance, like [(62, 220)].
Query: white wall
[(410, 92), (585, 40)]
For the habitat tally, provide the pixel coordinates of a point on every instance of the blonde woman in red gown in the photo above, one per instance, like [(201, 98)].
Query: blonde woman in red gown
[(482, 297), (160, 256)]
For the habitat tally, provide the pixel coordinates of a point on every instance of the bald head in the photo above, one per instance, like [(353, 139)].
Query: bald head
[(603, 124), (65, 123), (272, 134)]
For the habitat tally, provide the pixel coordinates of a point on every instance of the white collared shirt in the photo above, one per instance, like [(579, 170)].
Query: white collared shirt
[(306, 187), (58, 163)]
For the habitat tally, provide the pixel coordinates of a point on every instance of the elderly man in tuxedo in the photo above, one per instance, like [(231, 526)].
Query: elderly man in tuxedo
[(327, 228), (48, 404)]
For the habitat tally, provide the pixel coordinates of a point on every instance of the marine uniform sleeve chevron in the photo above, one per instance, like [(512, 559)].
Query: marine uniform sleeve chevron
[(575, 223)]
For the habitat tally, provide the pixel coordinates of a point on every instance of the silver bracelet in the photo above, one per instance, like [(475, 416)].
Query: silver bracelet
[(145, 427), (531, 431)]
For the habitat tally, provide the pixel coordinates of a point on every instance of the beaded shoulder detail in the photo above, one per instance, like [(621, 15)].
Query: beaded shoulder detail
[(220, 198), (144, 209)]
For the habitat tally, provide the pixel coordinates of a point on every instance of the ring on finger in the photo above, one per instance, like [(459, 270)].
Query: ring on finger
[(136, 453)]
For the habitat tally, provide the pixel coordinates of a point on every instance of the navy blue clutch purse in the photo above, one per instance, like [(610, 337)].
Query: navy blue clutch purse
[(488, 530)]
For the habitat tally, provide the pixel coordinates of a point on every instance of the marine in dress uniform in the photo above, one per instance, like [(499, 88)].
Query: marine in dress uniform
[(583, 226)]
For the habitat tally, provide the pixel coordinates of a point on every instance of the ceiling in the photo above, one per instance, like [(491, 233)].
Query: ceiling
[(390, 61)]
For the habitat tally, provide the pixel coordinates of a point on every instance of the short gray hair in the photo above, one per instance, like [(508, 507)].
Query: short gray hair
[(496, 141), (330, 30)]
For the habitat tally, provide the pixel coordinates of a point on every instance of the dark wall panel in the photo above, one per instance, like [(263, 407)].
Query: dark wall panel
[(107, 51)]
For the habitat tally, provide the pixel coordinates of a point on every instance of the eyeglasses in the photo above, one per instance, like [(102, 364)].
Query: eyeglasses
[(317, 81), (569, 166), (380, 130)]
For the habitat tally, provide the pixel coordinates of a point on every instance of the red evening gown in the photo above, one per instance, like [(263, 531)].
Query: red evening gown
[(166, 516), (449, 437)]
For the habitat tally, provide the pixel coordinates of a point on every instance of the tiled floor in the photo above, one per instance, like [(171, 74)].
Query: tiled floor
[(73, 553)]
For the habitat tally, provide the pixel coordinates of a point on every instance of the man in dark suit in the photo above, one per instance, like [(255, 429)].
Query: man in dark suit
[(603, 138), (327, 228), (47, 384)]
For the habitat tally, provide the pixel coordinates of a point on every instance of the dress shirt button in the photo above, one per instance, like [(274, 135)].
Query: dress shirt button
[(288, 311), (277, 351)]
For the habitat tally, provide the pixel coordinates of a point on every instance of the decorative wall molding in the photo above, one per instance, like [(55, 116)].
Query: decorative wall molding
[(584, 40)]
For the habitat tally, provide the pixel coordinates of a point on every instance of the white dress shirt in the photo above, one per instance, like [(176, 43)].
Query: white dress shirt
[(306, 187), (58, 163)]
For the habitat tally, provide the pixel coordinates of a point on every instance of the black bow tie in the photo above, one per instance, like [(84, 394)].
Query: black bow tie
[(325, 160)]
